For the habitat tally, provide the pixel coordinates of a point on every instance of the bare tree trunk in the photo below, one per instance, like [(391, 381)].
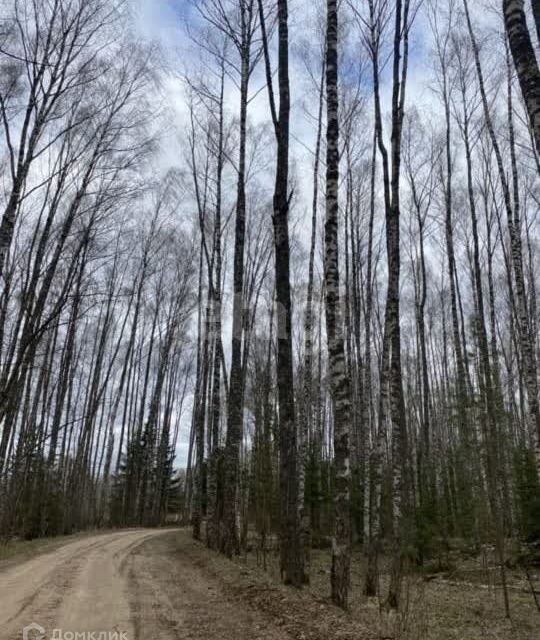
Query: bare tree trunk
[(524, 58), (340, 382), (306, 434), (230, 542), (514, 229), (374, 460), (213, 532), (291, 550)]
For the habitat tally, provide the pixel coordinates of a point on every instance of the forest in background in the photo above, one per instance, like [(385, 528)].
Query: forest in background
[(341, 330)]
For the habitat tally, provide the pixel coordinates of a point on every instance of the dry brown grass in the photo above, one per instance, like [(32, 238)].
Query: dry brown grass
[(463, 604)]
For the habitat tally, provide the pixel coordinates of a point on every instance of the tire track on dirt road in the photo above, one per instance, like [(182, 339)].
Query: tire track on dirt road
[(77, 588)]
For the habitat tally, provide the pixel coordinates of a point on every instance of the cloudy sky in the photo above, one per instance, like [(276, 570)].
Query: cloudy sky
[(166, 23)]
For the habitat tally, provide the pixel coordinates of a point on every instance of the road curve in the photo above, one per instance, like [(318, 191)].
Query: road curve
[(137, 584), (80, 588)]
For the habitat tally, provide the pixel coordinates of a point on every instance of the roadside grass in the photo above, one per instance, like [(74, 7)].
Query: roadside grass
[(17, 549), (463, 601)]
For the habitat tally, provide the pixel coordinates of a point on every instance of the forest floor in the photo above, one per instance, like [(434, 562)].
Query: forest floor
[(161, 585), (465, 602)]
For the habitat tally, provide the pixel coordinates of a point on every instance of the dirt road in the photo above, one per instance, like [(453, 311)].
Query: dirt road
[(161, 585), (131, 582)]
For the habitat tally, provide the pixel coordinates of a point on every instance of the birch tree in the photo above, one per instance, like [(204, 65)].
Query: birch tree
[(341, 391)]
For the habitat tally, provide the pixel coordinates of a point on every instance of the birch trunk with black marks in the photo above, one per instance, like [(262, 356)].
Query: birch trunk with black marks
[(524, 58), (291, 549), (340, 382), (213, 509), (306, 434), (526, 339), (230, 541), (401, 481)]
